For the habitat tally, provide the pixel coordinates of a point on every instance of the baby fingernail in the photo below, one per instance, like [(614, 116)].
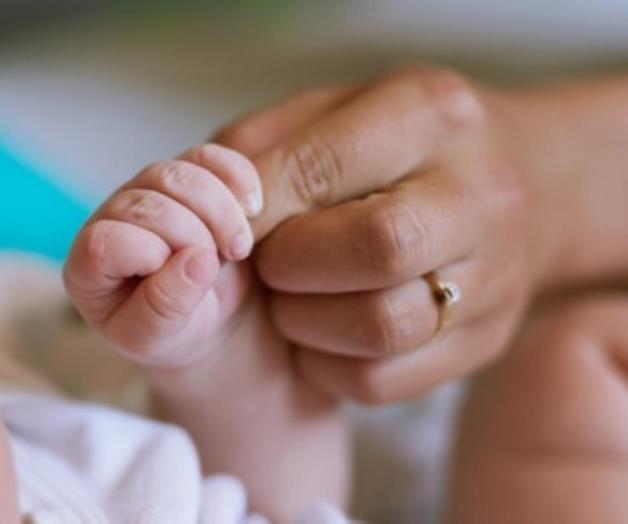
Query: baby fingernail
[(241, 246), (253, 204)]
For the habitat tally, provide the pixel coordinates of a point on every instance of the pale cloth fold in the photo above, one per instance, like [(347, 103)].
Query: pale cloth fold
[(81, 463)]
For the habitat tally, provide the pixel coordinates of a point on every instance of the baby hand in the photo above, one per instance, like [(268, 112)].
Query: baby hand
[(145, 269)]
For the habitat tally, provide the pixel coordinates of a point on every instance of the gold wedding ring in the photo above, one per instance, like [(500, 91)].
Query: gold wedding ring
[(446, 295)]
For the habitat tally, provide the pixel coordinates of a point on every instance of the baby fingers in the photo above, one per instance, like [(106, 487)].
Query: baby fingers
[(166, 309), (235, 170), (184, 203)]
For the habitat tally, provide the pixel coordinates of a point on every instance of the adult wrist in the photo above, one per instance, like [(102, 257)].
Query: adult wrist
[(534, 136)]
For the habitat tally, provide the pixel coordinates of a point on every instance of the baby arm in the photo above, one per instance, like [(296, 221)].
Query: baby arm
[(146, 272)]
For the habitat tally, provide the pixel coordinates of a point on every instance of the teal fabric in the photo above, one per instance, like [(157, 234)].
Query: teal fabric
[(36, 215)]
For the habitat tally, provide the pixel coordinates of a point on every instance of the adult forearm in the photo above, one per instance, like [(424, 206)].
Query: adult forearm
[(573, 138)]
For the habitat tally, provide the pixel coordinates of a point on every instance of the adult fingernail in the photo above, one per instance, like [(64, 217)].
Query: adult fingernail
[(253, 204), (241, 246), (199, 266)]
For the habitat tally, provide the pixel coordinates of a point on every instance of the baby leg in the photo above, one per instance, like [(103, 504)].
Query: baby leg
[(544, 434)]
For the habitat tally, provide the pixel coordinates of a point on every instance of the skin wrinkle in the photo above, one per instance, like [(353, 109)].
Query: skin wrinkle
[(317, 172)]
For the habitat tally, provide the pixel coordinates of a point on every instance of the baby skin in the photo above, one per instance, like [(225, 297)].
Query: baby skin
[(160, 272), (543, 433)]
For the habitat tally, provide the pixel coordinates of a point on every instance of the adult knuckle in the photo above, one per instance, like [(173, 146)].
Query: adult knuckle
[(448, 93), (315, 169), (394, 238), (455, 99)]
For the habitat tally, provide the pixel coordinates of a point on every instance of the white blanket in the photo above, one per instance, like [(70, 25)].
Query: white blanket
[(93, 461), (80, 463)]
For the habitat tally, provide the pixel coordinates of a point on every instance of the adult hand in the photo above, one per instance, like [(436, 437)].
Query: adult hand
[(369, 189)]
